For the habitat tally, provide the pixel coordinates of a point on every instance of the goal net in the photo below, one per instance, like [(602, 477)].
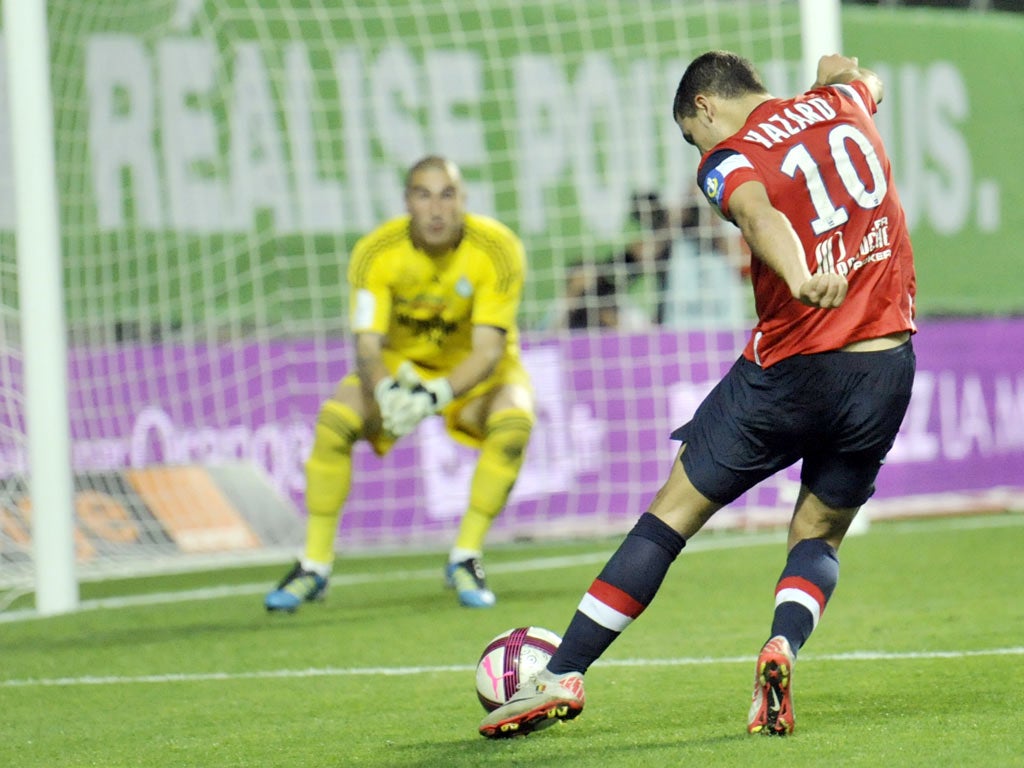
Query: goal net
[(216, 161)]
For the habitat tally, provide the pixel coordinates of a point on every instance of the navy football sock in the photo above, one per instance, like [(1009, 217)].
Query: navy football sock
[(803, 590), (621, 592)]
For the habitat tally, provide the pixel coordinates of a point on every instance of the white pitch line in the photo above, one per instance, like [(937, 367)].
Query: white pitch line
[(702, 544), (353, 579), (200, 677)]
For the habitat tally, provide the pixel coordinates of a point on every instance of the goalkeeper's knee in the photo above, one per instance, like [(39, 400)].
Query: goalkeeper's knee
[(337, 428), (506, 435), (328, 470)]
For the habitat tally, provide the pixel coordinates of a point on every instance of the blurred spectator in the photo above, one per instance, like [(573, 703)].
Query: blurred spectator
[(688, 264), (647, 256), (594, 298), (709, 268), (682, 267), (590, 298)]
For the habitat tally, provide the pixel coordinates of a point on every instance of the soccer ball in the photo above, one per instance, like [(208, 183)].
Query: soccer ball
[(512, 659)]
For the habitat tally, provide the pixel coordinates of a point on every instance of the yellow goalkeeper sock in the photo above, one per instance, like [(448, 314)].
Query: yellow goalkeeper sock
[(501, 456), (329, 477)]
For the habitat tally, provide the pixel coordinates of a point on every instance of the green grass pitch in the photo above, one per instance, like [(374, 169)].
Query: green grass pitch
[(917, 662)]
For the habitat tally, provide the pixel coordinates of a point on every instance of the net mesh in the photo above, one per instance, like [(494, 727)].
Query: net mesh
[(218, 158)]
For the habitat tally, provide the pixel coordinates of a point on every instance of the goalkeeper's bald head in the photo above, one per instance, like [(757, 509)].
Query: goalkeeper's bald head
[(436, 162)]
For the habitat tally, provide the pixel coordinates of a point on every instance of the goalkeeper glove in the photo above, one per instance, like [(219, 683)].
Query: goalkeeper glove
[(414, 401), (436, 393), (407, 410), (387, 393)]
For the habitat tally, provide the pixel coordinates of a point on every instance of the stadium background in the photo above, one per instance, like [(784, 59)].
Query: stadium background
[(949, 122), (203, 330)]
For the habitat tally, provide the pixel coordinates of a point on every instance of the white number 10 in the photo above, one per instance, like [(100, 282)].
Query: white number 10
[(828, 216)]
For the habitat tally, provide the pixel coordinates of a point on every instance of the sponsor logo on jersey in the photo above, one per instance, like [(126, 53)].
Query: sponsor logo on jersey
[(435, 329), (830, 251), (832, 255), (877, 238)]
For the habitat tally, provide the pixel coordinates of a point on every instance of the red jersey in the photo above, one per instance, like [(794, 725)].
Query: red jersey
[(822, 162)]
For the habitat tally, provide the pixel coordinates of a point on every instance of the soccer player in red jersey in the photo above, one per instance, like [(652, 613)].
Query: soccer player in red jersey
[(825, 378)]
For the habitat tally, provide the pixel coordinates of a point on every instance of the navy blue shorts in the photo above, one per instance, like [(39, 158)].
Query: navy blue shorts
[(838, 411)]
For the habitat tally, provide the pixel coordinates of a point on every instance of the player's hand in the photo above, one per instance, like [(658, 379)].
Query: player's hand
[(406, 410), (408, 399), (439, 391), (384, 393), (831, 65), (825, 291), (392, 399)]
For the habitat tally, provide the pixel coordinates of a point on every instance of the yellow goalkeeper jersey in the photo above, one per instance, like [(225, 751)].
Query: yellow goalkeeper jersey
[(426, 306)]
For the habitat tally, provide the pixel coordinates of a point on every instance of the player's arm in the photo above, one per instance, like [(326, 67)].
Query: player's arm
[(488, 349), (837, 69), (369, 361), (369, 314), (377, 383), (772, 239), (495, 307)]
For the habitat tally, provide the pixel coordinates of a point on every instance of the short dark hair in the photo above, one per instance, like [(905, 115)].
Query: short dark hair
[(720, 73)]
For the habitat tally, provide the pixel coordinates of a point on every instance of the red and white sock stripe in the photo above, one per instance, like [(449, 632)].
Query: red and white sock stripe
[(609, 606), (794, 589)]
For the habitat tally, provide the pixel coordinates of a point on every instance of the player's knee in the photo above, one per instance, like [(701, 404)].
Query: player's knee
[(507, 435), (328, 469), (337, 428)]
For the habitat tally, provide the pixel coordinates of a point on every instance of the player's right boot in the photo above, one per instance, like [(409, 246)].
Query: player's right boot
[(468, 580), (298, 586), (771, 708), (537, 704)]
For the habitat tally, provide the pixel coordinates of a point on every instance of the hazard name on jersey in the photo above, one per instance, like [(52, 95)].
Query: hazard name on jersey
[(789, 122)]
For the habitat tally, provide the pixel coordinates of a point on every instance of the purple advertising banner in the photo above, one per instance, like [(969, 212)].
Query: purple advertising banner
[(606, 405)]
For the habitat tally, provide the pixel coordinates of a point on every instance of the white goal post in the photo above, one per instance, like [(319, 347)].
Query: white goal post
[(41, 293), (214, 161)]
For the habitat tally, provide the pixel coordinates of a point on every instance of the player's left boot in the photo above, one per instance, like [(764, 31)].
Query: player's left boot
[(771, 708), (468, 580), (537, 704), (298, 586)]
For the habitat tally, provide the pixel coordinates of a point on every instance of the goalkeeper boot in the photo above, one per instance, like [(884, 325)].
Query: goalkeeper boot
[(771, 709), (468, 580), (537, 704), (298, 586)]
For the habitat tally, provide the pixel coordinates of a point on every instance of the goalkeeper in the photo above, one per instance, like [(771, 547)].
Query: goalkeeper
[(434, 298)]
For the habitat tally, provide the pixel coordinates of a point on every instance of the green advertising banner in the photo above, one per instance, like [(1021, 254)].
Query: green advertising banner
[(953, 118), (218, 158)]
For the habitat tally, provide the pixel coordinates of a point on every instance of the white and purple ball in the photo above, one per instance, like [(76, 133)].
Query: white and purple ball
[(512, 659)]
